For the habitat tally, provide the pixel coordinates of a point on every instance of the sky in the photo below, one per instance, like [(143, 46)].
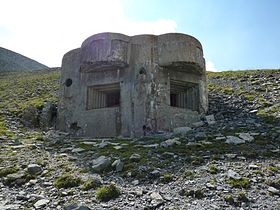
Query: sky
[(235, 34)]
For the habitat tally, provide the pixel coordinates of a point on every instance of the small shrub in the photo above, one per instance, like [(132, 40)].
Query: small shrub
[(229, 199), (195, 193), (91, 184), (197, 160), (249, 97), (107, 193), (239, 183), (228, 90), (67, 181), (242, 197), (272, 168), (10, 170), (188, 174), (166, 178), (212, 169)]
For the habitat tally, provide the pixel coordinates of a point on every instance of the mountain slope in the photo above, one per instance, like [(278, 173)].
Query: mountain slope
[(11, 61), (230, 163)]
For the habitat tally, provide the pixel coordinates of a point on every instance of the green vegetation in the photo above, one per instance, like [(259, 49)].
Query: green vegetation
[(18, 178), (272, 168), (166, 178), (239, 183), (249, 86), (67, 181), (21, 90), (9, 170), (229, 199), (188, 174), (212, 169), (90, 184), (242, 197), (107, 193), (4, 131), (195, 193)]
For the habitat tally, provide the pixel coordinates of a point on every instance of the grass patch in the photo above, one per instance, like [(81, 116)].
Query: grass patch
[(166, 178), (21, 90), (212, 169), (195, 193), (229, 199), (239, 183), (4, 131), (272, 168), (107, 193), (90, 184), (67, 181), (189, 174), (10, 170)]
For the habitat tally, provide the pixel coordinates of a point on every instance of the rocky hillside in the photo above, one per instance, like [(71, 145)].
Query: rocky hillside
[(11, 61), (228, 160)]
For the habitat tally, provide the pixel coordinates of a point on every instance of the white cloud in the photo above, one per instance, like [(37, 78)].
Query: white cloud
[(45, 30), (210, 66)]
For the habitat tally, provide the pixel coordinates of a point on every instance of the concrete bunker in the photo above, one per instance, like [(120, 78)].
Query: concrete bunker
[(119, 85)]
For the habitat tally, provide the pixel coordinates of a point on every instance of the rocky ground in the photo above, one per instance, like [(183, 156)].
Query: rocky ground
[(228, 160)]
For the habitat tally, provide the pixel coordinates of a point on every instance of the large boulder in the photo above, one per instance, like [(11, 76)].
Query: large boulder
[(30, 117), (100, 164), (181, 130)]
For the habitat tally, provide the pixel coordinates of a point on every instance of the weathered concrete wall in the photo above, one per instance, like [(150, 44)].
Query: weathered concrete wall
[(143, 66)]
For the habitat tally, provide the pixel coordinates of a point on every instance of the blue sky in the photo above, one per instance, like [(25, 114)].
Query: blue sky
[(235, 34)]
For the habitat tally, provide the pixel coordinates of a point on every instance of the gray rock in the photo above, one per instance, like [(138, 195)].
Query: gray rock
[(103, 144), (168, 154), (151, 146), (234, 140), (210, 119), (16, 178), (273, 190), (155, 173), (118, 147), (252, 166), (100, 164), (210, 186), (220, 138), (48, 115), (233, 175), (170, 142), (156, 198), (9, 207), (135, 157), (77, 207), (231, 156), (200, 136), (41, 203), (181, 130), (30, 117), (198, 124), (34, 169), (118, 164), (246, 137), (135, 182), (78, 150)]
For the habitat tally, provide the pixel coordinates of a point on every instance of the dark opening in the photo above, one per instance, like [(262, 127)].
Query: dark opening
[(68, 82), (113, 99), (173, 99), (142, 70), (102, 96), (184, 95)]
